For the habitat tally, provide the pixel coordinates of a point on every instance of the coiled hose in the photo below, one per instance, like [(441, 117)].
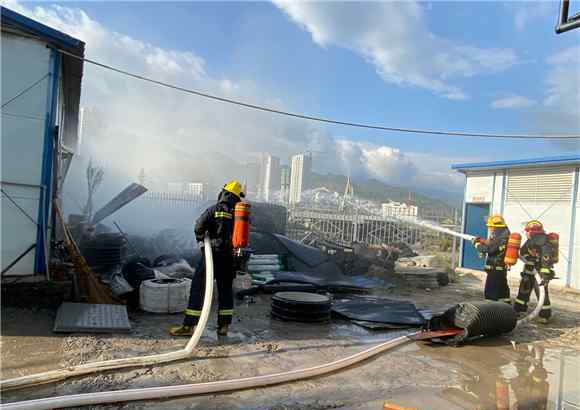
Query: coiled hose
[(73, 371)]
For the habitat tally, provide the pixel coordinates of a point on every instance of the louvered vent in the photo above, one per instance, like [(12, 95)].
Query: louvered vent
[(539, 185)]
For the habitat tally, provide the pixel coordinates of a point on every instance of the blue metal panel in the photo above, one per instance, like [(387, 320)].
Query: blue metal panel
[(47, 164), (572, 227), (573, 158), (49, 34), (475, 217)]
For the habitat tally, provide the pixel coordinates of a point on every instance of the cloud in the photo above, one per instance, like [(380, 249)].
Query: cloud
[(393, 36), (560, 108), (526, 12), (513, 102), (133, 125)]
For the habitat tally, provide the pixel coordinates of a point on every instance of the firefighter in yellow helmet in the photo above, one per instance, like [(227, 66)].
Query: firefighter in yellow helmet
[(496, 285), (218, 222), (538, 254)]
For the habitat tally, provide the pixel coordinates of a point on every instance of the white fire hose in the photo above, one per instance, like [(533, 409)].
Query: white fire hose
[(61, 374), (196, 388)]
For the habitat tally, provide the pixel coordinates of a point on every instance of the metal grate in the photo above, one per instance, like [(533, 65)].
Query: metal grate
[(91, 318)]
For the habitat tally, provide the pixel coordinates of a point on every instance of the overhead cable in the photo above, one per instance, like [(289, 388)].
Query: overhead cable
[(321, 119)]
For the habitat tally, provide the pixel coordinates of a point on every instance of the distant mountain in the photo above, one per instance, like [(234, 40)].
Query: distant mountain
[(375, 190)]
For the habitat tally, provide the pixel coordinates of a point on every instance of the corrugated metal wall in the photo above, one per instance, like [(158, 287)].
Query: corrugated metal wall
[(24, 61)]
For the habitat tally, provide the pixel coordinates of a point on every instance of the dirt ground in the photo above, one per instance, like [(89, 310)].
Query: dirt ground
[(539, 365)]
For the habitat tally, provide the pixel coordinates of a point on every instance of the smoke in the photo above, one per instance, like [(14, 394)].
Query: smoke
[(130, 125)]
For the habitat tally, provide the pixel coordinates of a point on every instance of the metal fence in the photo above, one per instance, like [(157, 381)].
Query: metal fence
[(347, 228), (307, 225)]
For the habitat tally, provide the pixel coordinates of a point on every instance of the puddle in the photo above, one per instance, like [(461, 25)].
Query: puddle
[(527, 376)]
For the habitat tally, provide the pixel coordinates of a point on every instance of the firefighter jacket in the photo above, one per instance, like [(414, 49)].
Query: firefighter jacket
[(537, 253), (218, 222), (495, 248)]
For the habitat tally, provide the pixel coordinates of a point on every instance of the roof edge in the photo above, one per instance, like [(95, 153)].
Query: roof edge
[(42, 30), (561, 159)]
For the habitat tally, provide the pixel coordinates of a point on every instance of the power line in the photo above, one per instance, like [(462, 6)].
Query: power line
[(30, 87), (320, 119)]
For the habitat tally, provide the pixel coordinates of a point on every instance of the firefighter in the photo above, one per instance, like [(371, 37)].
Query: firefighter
[(218, 222), (496, 285), (537, 254)]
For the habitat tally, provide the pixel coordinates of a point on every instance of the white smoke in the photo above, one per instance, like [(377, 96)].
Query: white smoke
[(133, 125)]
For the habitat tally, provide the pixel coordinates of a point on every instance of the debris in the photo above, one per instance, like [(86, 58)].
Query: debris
[(105, 252), (137, 271), (119, 285), (174, 268), (91, 318), (379, 311), (96, 291), (131, 192), (422, 278)]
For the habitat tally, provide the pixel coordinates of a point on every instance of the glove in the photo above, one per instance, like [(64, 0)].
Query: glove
[(476, 240)]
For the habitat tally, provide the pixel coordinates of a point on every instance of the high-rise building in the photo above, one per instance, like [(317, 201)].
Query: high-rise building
[(285, 183), (300, 177), (269, 177)]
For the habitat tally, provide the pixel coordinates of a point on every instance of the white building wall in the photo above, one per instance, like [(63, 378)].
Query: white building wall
[(555, 211), (479, 188), (24, 61)]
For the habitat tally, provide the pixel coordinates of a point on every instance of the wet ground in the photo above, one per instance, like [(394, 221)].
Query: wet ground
[(536, 367)]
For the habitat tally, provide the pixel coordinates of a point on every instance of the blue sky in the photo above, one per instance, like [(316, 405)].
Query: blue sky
[(493, 73)]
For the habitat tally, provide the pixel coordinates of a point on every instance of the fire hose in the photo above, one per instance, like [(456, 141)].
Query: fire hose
[(61, 374), (196, 388)]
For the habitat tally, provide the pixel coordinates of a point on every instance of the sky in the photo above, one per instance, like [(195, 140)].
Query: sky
[(472, 66)]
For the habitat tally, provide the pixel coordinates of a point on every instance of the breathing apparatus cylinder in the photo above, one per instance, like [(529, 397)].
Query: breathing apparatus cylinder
[(554, 240), (241, 236), (513, 249)]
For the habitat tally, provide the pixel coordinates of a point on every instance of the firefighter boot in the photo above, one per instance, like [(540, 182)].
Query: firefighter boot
[(181, 330), (223, 330)]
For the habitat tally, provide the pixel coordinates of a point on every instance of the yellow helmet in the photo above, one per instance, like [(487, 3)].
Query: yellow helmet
[(235, 187), (496, 221)]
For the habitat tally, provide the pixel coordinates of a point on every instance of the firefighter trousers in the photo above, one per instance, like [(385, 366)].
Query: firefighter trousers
[(496, 285), (224, 277), (527, 283)]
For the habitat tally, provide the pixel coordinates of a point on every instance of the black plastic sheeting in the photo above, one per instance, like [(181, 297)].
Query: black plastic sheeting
[(379, 311), (331, 281)]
